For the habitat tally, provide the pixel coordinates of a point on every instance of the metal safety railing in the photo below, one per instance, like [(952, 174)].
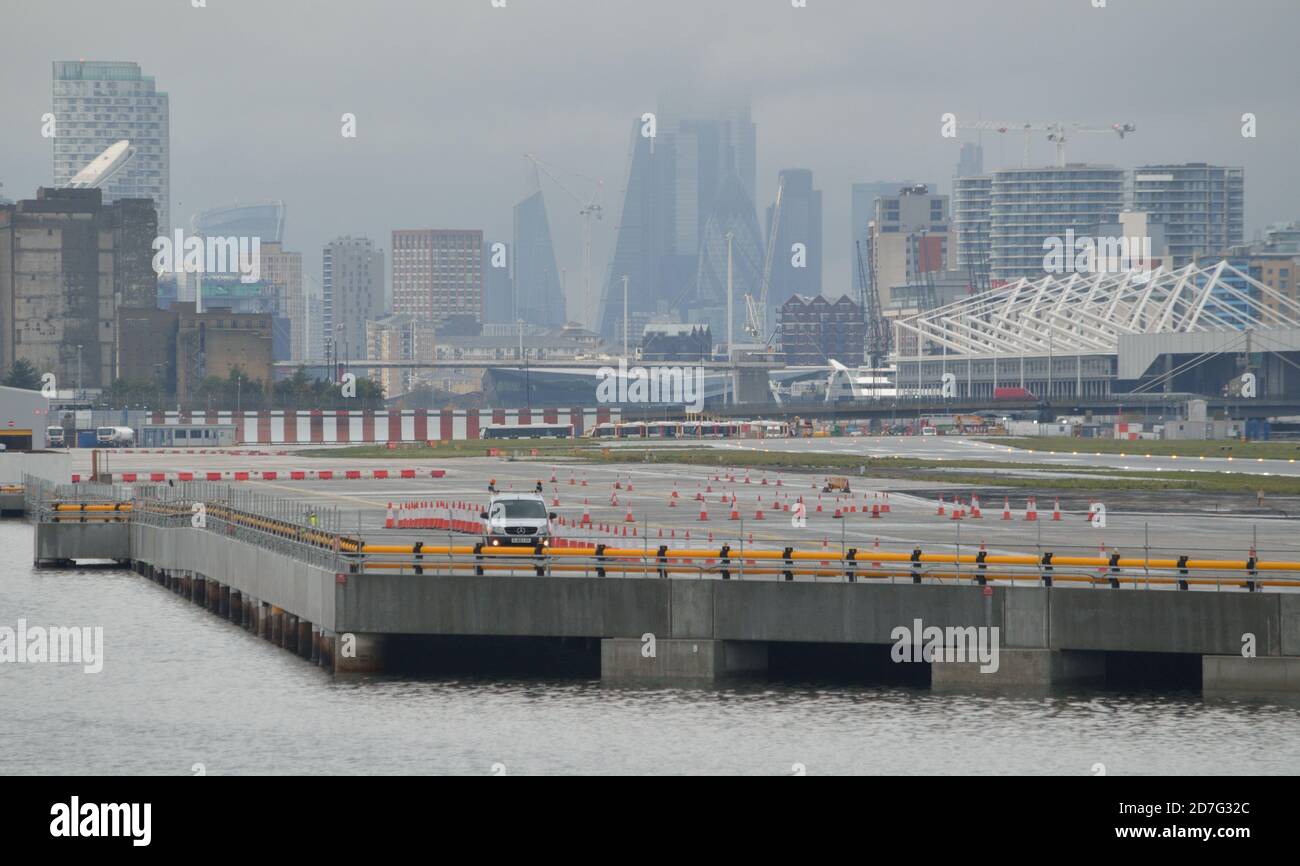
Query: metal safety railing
[(301, 530)]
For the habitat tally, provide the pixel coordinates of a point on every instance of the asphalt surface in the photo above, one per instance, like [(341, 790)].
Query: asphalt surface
[(912, 521)]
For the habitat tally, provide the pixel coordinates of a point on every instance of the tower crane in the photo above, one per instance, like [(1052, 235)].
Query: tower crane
[(589, 208), (756, 312), (1057, 132)]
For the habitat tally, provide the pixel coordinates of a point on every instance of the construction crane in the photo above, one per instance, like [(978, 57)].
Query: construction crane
[(879, 335), (756, 312), (1057, 132), (590, 208)]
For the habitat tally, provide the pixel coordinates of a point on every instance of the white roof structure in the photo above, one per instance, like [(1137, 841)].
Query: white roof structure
[(1086, 314)]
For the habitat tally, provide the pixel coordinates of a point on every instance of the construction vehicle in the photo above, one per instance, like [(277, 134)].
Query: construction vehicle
[(836, 484)]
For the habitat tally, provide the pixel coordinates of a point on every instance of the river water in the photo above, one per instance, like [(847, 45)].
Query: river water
[(180, 688)]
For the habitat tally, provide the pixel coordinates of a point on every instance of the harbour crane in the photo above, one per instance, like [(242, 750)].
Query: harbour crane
[(589, 208), (1057, 132)]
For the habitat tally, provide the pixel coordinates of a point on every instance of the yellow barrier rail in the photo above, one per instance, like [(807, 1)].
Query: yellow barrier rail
[(728, 563)]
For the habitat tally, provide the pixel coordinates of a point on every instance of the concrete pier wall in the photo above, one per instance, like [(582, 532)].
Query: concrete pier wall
[(306, 590), (704, 628)]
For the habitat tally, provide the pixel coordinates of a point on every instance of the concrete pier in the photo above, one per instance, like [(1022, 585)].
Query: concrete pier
[(708, 629), (678, 660), (1022, 668), (358, 653), (1250, 675)]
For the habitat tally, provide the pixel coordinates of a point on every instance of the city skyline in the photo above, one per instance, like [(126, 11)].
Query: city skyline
[(579, 122)]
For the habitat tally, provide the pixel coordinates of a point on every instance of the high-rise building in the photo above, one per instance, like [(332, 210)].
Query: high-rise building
[(283, 271), (98, 103), (498, 284), (910, 239), (67, 261), (539, 297), (863, 211), (733, 214), (438, 273), (971, 161), (263, 221), (677, 181), (1030, 206), (971, 201), (797, 255), (399, 338), (352, 291), (1201, 207)]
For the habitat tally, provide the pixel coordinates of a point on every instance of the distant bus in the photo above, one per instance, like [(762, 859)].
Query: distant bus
[(55, 438), (527, 431), (695, 429)]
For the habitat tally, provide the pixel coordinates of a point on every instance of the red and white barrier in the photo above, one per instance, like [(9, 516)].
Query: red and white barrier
[(269, 475), (309, 427)]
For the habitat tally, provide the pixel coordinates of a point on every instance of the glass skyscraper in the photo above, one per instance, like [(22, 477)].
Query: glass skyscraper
[(800, 223), (675, 186), (539, 297)]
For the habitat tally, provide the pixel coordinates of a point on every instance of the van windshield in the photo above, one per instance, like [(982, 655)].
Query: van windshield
[(525, 508)]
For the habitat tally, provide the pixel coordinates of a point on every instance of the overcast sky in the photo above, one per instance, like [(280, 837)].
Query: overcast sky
[(449, 95)]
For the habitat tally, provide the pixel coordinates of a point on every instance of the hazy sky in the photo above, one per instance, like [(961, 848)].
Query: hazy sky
[(449, 95)]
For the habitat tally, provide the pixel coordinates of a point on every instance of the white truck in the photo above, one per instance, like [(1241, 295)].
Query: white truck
[(517, 519), (114, 437)]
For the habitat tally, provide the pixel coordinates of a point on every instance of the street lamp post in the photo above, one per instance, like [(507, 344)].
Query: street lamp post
[(625, 316)]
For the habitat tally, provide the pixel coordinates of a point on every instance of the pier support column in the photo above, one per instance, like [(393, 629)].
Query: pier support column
[(264, 621), (304, 639), (214, 596), (277, 626), (197, 589), (248, 608), (356, 653), (1021, 667), (327, 644), (1260, 675), (315, 644), (680, 659), (290, 633), (224, 610), (236, 607)]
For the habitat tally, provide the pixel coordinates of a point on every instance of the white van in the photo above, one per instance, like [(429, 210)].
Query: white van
[(929, 431), (517, 519)]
